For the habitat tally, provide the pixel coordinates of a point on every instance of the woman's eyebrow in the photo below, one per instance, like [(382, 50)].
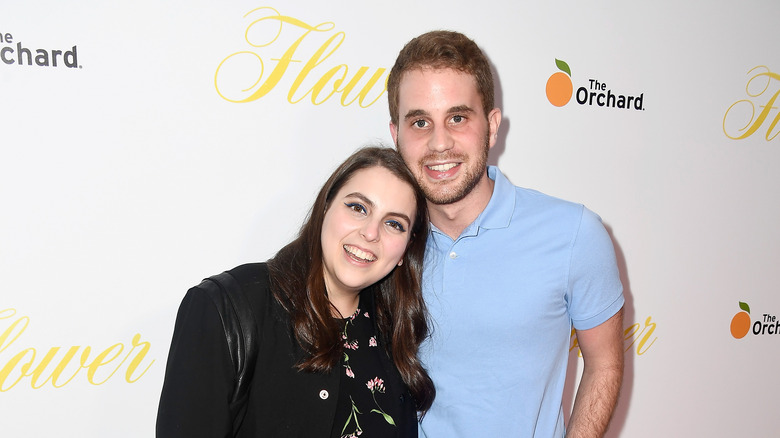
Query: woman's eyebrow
[(362, 197), (370, 203)]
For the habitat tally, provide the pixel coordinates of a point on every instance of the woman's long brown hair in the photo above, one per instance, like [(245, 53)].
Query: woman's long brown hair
[(298, 284)]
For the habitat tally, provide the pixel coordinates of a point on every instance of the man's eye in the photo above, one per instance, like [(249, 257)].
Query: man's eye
[(354, 206), (419, 123), (457, 119)]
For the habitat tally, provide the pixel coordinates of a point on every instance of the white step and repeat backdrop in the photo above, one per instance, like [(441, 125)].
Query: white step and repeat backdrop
[(145, 145)]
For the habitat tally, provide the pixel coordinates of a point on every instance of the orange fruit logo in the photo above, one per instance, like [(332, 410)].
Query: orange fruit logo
[(740, 323), (559, 88)]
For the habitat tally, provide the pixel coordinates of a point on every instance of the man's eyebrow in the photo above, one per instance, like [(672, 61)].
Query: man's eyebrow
[(453, 110), (460, 109), (415, 113)]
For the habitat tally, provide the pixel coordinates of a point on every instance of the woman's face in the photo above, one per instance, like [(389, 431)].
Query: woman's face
[(366, 230)]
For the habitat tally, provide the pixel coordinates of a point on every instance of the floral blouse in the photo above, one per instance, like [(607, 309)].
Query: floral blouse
[(369, 396)]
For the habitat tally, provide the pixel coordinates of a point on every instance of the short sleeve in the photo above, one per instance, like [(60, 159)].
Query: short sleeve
[(595, 291)]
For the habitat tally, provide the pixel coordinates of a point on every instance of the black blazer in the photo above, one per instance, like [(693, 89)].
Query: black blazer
[(283, 402)]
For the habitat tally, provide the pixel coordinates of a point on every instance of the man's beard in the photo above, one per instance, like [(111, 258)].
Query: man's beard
[(437, 192)]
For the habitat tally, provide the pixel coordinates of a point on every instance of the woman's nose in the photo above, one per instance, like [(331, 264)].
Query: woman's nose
[(370, 230)]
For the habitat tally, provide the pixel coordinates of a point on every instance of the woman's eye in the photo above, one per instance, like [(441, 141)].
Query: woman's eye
[(354, 206), (396, 225)]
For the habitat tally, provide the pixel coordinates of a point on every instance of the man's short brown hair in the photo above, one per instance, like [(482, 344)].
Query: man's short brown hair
[(441, 49)]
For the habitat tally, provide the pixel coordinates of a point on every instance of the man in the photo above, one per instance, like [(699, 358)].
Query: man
[(508, 270)]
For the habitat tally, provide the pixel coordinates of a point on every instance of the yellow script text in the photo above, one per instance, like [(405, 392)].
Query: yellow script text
[(757, 88), (58, 367), (298, 49)]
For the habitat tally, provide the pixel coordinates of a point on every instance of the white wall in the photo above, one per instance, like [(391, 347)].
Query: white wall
[(129, 177)]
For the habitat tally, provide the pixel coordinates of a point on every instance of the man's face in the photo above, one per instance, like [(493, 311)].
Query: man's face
[(443, 133)]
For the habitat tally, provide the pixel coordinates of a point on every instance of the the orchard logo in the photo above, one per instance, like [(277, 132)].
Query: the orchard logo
[(746, 116), (595, 93), (742, 324), (13, 52), (559, 87)]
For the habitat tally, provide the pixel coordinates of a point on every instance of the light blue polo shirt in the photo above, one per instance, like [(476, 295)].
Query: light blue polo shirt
[(502, 299)]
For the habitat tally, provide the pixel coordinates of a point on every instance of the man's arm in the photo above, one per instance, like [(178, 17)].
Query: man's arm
[(602, 375)]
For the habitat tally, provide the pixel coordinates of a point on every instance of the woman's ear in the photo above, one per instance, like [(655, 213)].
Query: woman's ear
[(400, 262)]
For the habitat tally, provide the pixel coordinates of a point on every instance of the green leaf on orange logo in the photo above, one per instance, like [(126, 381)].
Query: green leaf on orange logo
[(563, 66), (744, 307)]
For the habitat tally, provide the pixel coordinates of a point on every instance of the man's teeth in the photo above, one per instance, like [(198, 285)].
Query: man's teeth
[(360, 254), (442, 167)]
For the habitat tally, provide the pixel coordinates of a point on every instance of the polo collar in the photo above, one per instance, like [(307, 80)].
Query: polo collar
[(498, 212)]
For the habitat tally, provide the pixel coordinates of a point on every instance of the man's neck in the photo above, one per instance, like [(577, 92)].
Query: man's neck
[(452, 219)]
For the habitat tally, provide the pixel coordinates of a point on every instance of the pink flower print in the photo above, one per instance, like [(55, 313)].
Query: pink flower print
[(349, 368), (357, 312), (366, 315), (376, 384), (353, 416), (352, 345), (372, 341)]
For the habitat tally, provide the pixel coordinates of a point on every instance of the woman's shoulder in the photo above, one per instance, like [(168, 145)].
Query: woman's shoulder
[(250, 273), (255, 282)]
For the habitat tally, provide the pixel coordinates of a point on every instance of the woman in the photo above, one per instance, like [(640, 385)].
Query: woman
[(340, 317)]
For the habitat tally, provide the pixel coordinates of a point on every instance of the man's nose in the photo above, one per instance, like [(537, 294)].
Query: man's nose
[(441, 140)]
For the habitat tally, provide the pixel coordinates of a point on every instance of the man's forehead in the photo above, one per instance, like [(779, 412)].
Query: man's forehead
[(413, 95), (431, 70), (415, 76)]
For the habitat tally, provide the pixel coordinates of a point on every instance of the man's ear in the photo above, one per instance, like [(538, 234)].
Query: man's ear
[(394, 133), (494, 121)]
